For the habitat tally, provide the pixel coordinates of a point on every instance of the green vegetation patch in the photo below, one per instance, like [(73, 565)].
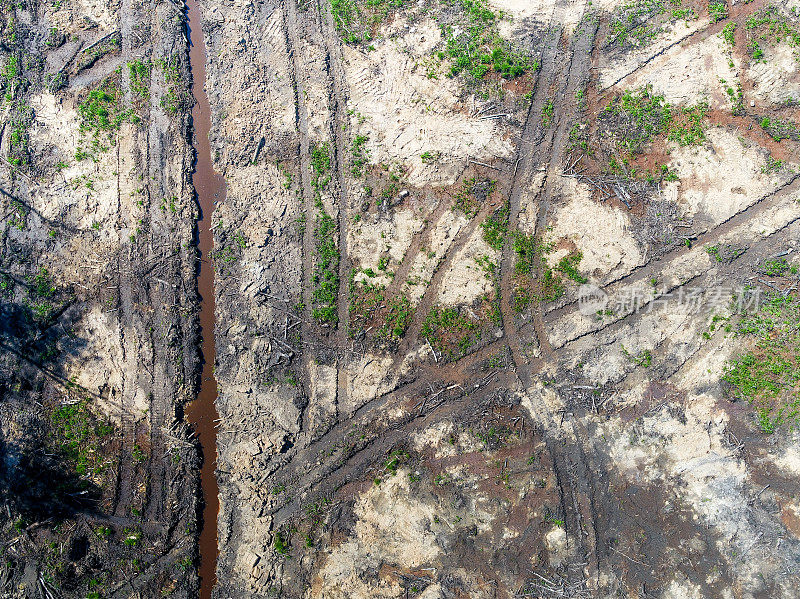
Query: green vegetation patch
[(779, 129), (102, 109), (79, 434), (474, 47), (724, 253), (11, 70), (320, 165), (368, 305), (637, 117), (686, 126), (398, 318), (773, 165), (13, 84), (20, 121), (728, 33), (717, 10), (548, 111), (176, 97), (41, 299), (527, 251), (91, 55), (644, 359), (450, 331), (356, 20), (568, 265), (360, 155), (638, 22), (280, 545), (366, 298), (548, 286), (640, 115), (776, 267), (139, 71), (495, 228), (326, 270), (769, 27), (767, 376), (473, 194)]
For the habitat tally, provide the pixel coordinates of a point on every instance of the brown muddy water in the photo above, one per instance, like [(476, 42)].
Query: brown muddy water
[(202, 413)]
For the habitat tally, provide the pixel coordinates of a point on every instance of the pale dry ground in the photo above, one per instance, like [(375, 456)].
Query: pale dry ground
[(618, 68), (521, 13), (777, 79), (99, 200), (721, 179), (55, 131), (602, 232)]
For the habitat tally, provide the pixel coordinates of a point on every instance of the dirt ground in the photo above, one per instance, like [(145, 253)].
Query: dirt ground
[(507, 298)]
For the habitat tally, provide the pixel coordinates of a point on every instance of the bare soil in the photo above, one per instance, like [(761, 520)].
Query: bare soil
[(415, 398)]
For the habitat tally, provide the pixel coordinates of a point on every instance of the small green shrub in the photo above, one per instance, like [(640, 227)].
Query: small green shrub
[(281, 547), (717, 10)]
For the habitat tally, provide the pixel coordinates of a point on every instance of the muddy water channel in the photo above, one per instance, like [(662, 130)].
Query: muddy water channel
[(202, 413)]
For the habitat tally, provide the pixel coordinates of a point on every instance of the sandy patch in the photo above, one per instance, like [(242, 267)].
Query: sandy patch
[(722, 178), (366, 380), (322, 401), (82, 14), (381, 238), (778, 78), (259, 100), (528, 206), (789, 461), (617, 69), (601, 232), (436, 437), (408, 113), (441, 238), (682, 589), (688, 73), (55, 123), (391, 527), (465, 281), (516, 12)]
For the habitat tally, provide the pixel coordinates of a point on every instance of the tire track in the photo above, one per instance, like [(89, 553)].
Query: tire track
[(444, 376), (160, 295), (647, 271), (576, 494), (338, 80), (431, 293), (128, 346), (331, 476), (290, 26), (419, 240), (577, 72), (528, 155), (633, 315)]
